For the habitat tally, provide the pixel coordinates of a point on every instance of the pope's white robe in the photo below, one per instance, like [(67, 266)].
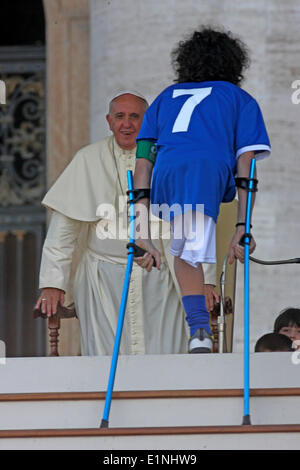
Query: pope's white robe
[(155, 320)]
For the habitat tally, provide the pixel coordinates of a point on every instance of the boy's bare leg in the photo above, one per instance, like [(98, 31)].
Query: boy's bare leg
[(190, 280), (191, 283)]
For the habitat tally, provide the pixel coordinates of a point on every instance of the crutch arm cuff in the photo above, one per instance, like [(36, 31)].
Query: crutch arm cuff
[(138, 252), (138, 194), (243, 183)]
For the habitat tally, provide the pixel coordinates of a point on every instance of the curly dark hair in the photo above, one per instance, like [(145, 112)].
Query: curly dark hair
[(210, 54)]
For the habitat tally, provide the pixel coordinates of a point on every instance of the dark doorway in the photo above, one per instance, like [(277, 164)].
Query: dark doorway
[(22, 23), (22, 174)]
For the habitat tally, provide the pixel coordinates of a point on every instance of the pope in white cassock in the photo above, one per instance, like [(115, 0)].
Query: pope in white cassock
[(78, 233)]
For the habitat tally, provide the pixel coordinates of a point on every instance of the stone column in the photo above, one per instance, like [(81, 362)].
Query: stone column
[(67, 53)]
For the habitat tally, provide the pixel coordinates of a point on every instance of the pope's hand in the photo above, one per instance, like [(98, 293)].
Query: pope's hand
[(49, 299)]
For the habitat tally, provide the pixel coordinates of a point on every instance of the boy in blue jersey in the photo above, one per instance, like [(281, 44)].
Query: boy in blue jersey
[(206, 130)]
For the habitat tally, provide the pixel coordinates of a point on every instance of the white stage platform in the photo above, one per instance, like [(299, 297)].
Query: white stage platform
[(160, 402)]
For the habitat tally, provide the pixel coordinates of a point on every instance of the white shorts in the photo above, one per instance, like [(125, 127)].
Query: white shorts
[(194, 238)]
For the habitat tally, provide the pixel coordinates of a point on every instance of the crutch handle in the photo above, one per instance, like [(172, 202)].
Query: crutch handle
[(139, 252)]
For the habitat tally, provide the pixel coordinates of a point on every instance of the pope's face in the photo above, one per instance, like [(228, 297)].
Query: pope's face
[(125, 119)]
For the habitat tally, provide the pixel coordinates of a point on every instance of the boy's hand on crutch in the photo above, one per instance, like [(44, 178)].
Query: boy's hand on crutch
[(147, 261), (236, 251), (142, 179)]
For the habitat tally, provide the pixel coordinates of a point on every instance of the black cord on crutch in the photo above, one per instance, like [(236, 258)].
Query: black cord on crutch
[(222, 284), (269, 263)]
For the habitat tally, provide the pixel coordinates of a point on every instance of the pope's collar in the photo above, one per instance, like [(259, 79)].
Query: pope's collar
[(119, 151)]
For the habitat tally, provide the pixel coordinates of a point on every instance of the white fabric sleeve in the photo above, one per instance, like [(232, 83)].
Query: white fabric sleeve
[(57, 251)]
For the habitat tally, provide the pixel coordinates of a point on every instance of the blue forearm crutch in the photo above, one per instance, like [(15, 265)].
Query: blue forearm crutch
[(114, 360), (246, 243)]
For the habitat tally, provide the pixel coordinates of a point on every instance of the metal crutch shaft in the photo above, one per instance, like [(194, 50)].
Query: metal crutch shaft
[(247, 239), (115, 354)]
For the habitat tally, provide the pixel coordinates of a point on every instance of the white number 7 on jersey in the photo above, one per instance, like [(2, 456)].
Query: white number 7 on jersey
[(183, 119)]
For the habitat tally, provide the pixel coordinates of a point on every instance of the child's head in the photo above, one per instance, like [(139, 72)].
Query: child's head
[(208, 55), (272, 342), (288, 323)]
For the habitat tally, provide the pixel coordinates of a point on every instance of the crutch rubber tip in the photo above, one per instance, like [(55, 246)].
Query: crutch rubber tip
[(104, 423), (246, 420)]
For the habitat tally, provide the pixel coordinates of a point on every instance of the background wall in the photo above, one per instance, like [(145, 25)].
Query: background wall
[(131, 41)]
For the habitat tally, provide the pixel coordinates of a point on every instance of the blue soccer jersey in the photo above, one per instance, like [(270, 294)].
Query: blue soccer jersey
[(201, 129)]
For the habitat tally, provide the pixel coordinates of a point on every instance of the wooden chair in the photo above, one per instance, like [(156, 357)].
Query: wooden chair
[(54, 325), (225, 231)]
